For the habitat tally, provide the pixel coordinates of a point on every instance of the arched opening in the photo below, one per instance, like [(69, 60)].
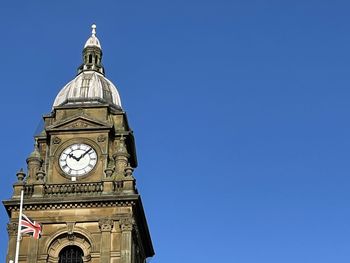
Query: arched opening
[(90, 58), (71, 254), (58, 247)]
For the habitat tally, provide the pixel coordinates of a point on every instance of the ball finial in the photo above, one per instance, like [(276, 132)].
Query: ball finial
[(93, 27)]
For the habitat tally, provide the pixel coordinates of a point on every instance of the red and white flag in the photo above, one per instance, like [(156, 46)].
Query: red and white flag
[(30, 227)]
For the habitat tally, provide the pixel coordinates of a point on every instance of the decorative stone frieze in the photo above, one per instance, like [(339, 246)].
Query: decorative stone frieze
[(72, 205)]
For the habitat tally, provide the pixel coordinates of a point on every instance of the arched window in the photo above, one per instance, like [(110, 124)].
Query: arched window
[(71, 254), (90, 58)]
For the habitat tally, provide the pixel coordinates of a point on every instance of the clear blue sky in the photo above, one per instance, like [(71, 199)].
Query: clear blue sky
[(240, 111)]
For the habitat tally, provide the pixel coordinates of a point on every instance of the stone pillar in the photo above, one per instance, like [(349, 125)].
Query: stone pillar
[(108, 184), (106, 226), (12, 232), (129, 180), (34, 163), (32, 253), (126, 226), (121, 157), (39, 184), (18, 186)]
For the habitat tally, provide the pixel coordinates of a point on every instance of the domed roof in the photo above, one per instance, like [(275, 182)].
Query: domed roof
[(86, 88), (90, 86)]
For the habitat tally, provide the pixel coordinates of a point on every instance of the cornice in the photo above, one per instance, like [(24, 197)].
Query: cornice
[(33, 204)]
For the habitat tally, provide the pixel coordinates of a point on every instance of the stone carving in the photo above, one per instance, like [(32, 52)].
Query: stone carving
[(56, 140), (20, 175), (73, 189), (64, 240), (120, 156), (71, 237), (70, 226), (40, 175), (79, 124), (101, 138), (73, 205), (12, 228), (128, 172), (127, 223), (109, 169), (121, 148), (105, 224), (109, 172)]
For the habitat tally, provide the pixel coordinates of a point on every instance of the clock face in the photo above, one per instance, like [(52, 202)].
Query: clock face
[(78, 159)]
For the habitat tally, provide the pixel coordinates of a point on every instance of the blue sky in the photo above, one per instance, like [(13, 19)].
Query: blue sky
[(240, 111)]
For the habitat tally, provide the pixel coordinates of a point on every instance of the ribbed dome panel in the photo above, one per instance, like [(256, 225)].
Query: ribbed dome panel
[(88, 87)]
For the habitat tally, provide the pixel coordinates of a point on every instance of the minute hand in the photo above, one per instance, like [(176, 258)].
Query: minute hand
[(85, 153)]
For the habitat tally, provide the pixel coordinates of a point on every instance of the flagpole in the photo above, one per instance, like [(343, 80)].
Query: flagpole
[(19, 227)]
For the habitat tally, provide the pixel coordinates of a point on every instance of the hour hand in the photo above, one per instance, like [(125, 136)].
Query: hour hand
[(72, 156)]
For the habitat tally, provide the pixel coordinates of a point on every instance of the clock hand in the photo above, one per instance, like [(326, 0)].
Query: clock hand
[(85, 153), (72, 156)]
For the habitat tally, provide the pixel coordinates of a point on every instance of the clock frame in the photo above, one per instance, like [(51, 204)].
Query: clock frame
[(77, 159)]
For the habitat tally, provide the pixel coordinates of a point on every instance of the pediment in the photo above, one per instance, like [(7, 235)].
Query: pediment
[(79, 123)]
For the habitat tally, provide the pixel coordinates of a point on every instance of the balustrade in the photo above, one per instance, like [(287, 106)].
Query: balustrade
[(74, 189)]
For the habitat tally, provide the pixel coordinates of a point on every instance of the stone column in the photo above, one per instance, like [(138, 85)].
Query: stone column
[(121, 157), (34, 163), (12, 232), (106, 226), (129, 180), (39, 184), (126, 226), (32, 253), (19, 185), (108, 184)]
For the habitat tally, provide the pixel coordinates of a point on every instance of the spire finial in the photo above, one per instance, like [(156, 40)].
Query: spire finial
[(93, 27)]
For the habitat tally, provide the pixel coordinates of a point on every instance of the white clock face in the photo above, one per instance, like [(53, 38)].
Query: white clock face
[(78, 159)]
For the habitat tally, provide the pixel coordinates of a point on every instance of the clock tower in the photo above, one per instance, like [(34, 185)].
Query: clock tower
[(79, 182)]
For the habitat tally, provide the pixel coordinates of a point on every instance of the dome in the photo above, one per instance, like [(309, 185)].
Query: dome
[(88, 87)]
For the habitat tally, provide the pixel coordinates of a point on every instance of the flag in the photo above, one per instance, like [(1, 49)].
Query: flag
[(28, 226)]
